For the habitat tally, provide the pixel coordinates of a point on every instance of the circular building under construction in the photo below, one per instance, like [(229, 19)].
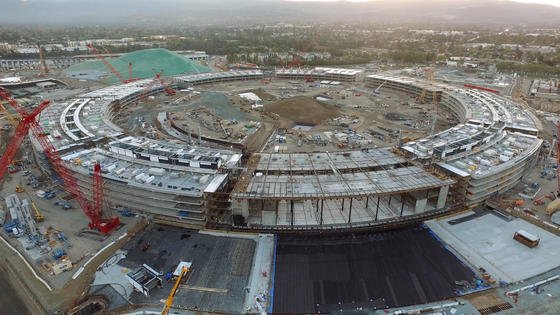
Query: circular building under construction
[(222, 185)]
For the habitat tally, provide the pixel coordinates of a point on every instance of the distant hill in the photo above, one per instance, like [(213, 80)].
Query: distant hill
[(145, 63), (169, 12)]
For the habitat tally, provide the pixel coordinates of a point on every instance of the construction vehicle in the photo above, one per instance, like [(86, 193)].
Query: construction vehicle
[(20, 189), (539, 201), (184, 270), (37, 216), (553, 206), (59, 253), (514, 202), (93, 211)]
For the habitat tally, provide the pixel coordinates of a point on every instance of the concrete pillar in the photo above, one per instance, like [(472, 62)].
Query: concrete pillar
[(269, 218), (377, 210), (269, 214), (442, 197), (321, 220), (292, 211), (420, 205), (241, 207), (350, 212)]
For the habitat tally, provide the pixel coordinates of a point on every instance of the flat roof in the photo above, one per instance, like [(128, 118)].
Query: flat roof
[(180, 180), (393, 181), (487, 240), (511, 148), (327, 160)]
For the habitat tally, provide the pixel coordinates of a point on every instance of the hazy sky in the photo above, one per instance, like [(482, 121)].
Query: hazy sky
[(551, 2)]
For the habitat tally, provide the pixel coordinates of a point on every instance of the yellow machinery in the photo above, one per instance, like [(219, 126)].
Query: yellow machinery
[(36, 213), (553, 206), (20, 189), (169, 300), (11, 119)]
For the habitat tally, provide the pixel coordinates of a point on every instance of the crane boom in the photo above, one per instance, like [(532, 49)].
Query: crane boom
[(44, 68), (29, 122), (169, 300), (107, 64), (165, 85)]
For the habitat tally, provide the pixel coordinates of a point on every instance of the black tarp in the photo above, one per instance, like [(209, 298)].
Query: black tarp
[(378, 270)]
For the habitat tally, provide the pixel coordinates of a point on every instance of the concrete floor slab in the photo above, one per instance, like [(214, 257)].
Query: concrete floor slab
[(222, 267), (487, 241)]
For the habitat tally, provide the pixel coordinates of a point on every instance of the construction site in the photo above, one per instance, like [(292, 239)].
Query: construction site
[(217, 191)]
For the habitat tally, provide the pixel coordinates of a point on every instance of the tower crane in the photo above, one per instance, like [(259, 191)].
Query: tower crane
[(44, 68), (436, 110), (129, 71), (110, 66), (93, 211), (168, 90)]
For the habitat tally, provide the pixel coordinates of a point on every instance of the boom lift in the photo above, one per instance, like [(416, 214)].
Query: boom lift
[(169, 300), (28, 122)]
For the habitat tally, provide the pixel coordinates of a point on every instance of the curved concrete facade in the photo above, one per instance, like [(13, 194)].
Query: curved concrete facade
[(491, 149), (488, 152)]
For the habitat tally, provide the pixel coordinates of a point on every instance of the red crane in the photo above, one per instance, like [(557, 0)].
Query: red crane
[(28, 122), (129, 71), (148, 88), (296, 62), (168, 90), (27, 119), (110, 66), (476, 87)]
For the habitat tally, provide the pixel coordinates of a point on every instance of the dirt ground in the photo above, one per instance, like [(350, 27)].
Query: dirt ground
[(260, 92), (485, 299), (302, 110), (36, 297)]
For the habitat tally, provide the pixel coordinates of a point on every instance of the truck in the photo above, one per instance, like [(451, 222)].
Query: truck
[(59, 253), (553, 206), (49, 195), (64, 204), (10, 226)]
